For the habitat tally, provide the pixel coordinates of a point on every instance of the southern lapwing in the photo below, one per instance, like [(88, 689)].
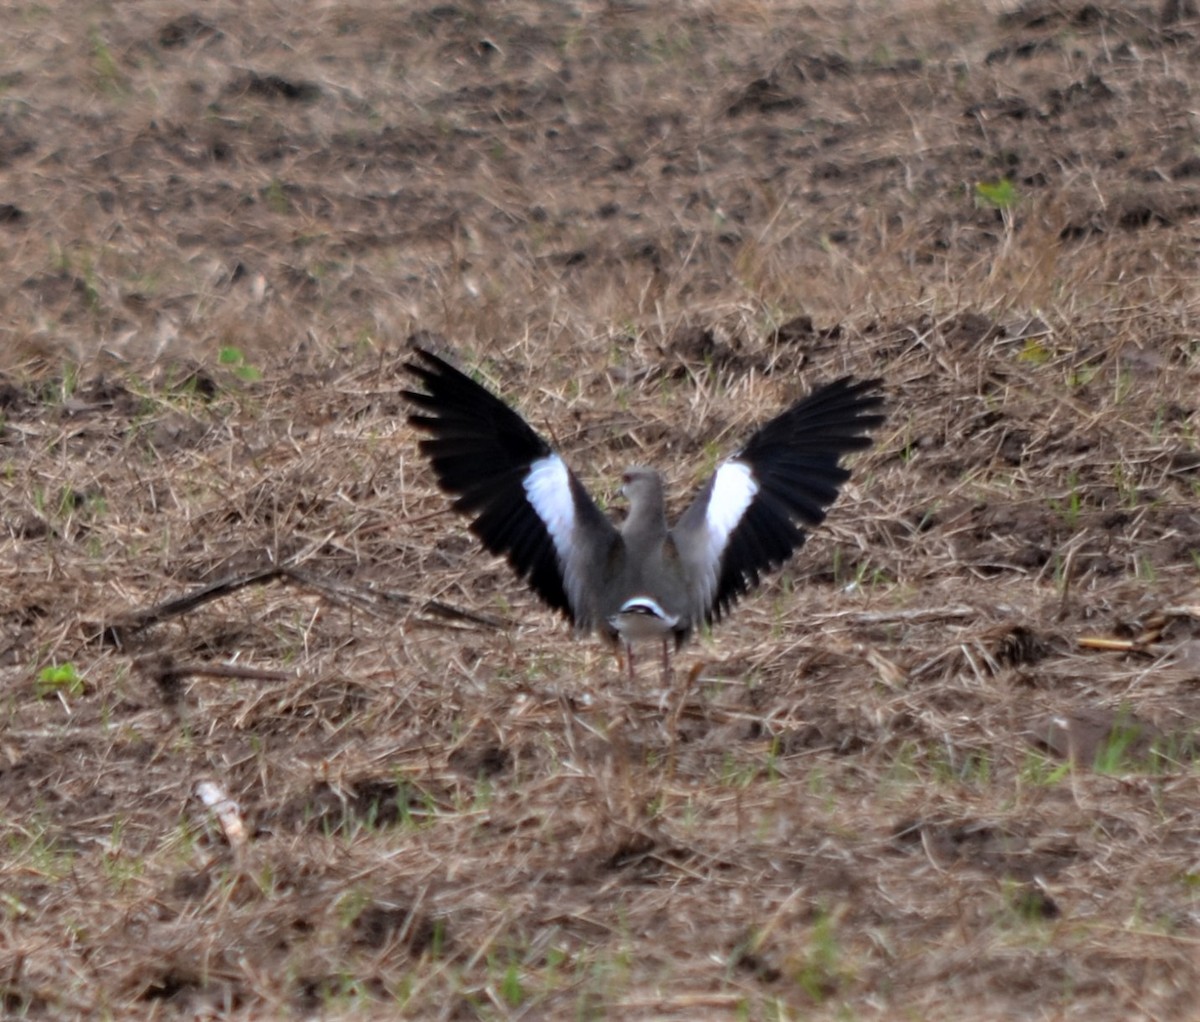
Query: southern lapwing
[(643, 580)]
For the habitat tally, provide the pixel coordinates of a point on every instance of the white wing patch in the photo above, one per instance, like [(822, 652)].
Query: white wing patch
[(734, 489), (548, 487)]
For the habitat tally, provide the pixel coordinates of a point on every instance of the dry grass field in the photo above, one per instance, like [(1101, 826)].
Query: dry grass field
[(941, 766)]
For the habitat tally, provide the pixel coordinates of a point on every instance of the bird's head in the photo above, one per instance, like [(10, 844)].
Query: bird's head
[(640, 484)]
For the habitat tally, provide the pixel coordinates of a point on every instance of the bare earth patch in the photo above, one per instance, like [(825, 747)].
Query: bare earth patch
[(280, 741)]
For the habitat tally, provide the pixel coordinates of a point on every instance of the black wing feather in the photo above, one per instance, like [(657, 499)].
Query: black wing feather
[(796, 461), (481, 451)]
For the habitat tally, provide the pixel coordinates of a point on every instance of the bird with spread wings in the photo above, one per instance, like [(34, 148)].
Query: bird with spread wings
[(643, 580)]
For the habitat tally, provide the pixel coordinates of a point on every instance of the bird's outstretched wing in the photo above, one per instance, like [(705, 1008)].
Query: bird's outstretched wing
[(750, 516), (526, 503)]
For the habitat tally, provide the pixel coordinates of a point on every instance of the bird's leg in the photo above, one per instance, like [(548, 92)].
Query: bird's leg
[(666, 661), (629, 659), (681, 696)]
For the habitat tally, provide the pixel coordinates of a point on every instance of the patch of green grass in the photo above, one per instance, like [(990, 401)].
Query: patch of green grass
[(853, 573), (1082, 375), (105, 69), (905, 767), (1122, 750), (343, 992), (1123, 384), (275, 197), (350, 905), (973, 766), (672, 46), (510, 986), (601, 980), (57, 390), (1070, 510), (771, 764), (119, 867), (1034, 352), (735, 773), (819, 970), (1041, 771), (1126, 485), (1001, 194), (1028, 909), (56, 679), (234, 359), (13, 907), (32, 850)]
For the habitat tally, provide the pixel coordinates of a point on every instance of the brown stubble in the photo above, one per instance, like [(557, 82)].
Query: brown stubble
[(880, 796)]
